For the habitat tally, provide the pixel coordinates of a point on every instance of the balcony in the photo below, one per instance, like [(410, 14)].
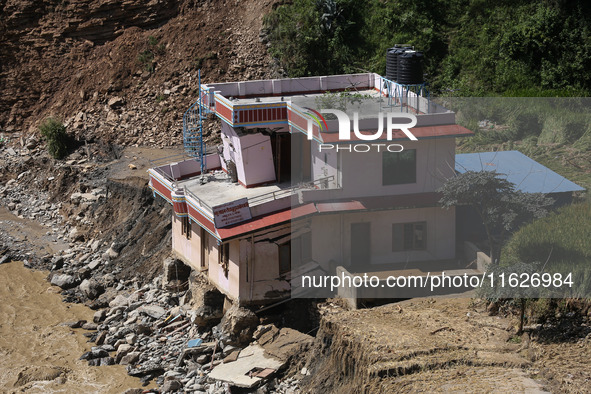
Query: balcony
[(201, 197)]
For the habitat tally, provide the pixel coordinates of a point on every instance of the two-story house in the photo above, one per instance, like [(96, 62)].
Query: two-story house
[(284, 194)]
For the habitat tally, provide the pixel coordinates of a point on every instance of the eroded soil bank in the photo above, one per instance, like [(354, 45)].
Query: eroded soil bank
[(446, 345), (37, 353)]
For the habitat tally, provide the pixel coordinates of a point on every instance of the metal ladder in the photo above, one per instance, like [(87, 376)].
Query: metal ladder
[(193, 129)]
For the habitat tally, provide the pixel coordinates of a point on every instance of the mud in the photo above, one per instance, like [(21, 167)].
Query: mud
[(37, 353)]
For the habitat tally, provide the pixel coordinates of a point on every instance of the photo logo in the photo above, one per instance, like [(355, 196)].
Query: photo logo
[(345, 124)]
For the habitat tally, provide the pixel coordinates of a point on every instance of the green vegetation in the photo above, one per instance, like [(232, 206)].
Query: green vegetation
[(57, 139), (553, 131), (474, 47), (501, 207), (146, 57), (340, 100), (561, 238)]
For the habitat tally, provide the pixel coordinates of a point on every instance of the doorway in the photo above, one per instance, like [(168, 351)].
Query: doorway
[(360, 246), (204, 236), (281, 145)]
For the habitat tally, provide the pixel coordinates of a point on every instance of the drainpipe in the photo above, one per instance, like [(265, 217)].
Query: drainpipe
[(252, 262)]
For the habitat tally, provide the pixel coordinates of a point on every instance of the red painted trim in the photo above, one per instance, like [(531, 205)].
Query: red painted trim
[(224, 111), (162, 189), (203, 220)]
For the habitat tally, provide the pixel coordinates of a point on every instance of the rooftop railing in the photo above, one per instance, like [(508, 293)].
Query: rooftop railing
[(321, 183)]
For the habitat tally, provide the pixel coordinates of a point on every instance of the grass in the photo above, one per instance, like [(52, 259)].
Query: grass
[(561, 242)]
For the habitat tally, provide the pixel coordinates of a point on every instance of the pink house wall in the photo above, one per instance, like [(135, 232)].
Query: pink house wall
[(188, 250), (228, 285), (259, 277)]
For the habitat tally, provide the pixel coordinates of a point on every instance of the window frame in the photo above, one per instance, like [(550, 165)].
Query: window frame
[(186, 228), (389, 175), (401, 245), (224, 258)]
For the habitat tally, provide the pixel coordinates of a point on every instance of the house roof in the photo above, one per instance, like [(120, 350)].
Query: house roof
[(528, 175)]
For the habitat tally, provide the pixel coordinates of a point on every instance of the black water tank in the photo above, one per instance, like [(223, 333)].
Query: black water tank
[(392, 61), (410, 68)]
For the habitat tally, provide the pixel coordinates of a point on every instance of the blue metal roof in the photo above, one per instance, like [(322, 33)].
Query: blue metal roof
[(528, 175)]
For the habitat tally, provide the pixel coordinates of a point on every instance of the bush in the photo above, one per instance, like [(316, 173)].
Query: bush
[(57, 139)]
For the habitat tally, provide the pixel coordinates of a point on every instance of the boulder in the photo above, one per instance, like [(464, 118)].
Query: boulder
[(130, 358), (238, 325), (99, 316), (91, 288), (93, 264), (64, 281), (122, 351), (120, 300), (115, 102), (154, 311), (170, 386)]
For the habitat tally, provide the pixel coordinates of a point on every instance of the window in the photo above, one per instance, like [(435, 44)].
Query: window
[(224, 259), (186, 227), (298, 251), (399, 167), (284, 258), (409, 236)]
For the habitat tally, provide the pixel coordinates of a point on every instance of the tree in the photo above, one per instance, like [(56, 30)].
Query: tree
[(499, 205), (520, 298)]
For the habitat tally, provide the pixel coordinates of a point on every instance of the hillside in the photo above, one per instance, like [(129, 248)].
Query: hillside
[(471, 47), (123, 72)]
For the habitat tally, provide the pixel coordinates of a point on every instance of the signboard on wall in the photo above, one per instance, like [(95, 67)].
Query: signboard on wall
[(231, 213)]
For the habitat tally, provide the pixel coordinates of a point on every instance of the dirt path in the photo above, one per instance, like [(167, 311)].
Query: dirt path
[(37, 353)]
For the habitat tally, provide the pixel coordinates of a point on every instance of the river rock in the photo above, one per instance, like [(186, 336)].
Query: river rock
[(130, 358), (154, 311), (64, 281), (91, 288)]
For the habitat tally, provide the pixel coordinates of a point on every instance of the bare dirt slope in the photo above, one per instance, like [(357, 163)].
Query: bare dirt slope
[(71, 59), (442, 345)]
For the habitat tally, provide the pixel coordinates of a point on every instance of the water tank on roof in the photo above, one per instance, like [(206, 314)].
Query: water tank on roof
[(410, 68), (392, 60)]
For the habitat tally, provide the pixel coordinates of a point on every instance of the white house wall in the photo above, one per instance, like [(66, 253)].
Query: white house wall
[(361, 173), (331, 236)]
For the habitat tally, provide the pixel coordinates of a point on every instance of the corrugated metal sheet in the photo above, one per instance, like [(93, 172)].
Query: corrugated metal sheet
[(527, 174)]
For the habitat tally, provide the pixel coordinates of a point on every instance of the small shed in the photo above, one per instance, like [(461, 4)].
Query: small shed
[(528, 175)]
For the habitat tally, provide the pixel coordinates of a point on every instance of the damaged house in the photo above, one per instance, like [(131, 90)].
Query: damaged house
[(284, 194)]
